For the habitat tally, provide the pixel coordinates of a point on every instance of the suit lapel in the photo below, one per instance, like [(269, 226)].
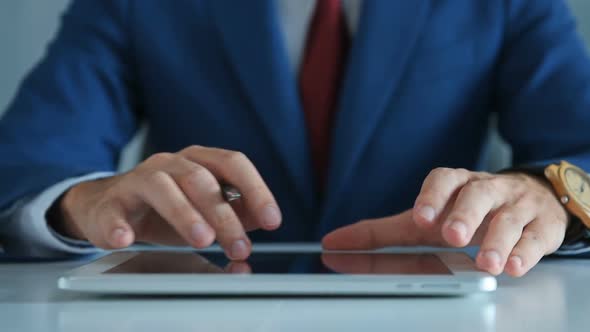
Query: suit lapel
[(381, 48), (255, 46)]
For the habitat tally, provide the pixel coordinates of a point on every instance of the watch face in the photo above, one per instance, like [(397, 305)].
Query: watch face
[(578, 184)]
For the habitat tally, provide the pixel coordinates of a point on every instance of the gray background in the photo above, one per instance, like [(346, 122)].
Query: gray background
[(27, 25)]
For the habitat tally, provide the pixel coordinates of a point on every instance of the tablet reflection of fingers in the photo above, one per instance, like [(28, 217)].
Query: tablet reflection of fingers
[(348, 263), (203, 265), (381, 263), (238, 268)]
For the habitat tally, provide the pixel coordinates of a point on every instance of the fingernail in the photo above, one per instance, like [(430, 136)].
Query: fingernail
[(271, 216), (493, 257), (239, 250), (427, 213), (200, 234), (516, 261), (460, 228), (118, 235)]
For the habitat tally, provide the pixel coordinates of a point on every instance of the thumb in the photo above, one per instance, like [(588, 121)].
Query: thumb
[(398, 230), (110, 230)]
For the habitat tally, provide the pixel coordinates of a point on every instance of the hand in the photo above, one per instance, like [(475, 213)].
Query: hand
[(173, 198), (515, 218)]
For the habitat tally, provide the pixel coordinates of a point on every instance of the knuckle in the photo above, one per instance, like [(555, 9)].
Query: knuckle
[(205, 181), (477, 187), (194, 175), (494, 184), (521, 178), (431, 196), (191, 150), (462, 172), (534, 200), (520, 186), (234, 157), (456, 174), (484, 175), (471, 186), (539, 199), (160, 158), (442, 172), (157, 178), (201, 178)]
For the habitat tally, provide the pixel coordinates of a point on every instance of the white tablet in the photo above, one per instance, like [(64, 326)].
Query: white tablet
[(394, 272)]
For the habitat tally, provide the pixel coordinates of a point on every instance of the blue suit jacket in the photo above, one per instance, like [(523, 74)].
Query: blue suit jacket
[(422, 79)]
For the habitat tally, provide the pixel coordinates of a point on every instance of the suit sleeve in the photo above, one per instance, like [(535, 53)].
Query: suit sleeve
[(29, 233), (543, 90), (75, 111)]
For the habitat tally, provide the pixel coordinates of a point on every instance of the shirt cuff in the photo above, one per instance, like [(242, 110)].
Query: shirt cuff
[(578, 247), (28, 227)]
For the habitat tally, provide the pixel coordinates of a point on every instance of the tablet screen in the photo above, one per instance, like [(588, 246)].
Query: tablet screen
[(284, 263)]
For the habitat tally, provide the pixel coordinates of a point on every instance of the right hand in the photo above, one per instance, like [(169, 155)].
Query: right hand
[(175, 199)]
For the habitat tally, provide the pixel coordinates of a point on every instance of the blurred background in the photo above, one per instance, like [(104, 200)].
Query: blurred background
[(26, 26)]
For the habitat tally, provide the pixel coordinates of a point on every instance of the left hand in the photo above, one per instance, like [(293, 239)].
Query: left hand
[(515, 218)]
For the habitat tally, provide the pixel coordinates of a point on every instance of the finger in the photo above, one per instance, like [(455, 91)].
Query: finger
[(161, 192), (437, 190), (154, 229), (204, 192), (111, 230), (541, 237), (248, 221), (504, 231), (235, 168), (474, 202), (399, 230)]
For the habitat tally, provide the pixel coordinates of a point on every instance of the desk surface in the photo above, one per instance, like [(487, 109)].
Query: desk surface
[(553, 297)]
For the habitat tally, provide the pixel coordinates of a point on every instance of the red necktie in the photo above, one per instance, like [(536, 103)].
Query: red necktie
[(320, 77)]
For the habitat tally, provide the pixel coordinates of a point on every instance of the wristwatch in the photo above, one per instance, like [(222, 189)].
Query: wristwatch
[(572, 186)]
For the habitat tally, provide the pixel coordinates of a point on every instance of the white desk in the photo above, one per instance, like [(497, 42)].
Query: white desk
[(555, 296)]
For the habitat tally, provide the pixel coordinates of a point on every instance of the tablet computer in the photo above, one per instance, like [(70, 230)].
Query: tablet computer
[(281, 273)]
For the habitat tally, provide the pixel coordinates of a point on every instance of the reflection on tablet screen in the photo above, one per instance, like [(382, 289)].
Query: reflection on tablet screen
[(281, 263)]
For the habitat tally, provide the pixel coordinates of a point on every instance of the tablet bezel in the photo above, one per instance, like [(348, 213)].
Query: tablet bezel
[(465, 279)]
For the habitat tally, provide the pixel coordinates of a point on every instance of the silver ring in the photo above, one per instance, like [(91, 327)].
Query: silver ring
[(230, 193)]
